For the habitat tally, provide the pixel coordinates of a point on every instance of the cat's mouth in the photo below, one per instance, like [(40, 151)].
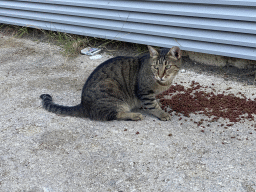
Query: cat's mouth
[(165, 80)]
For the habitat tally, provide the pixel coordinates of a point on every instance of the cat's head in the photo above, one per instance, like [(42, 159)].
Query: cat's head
[(165, 63)]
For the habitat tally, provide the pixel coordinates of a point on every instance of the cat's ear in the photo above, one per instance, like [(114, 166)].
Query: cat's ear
[(175, 52), (153, 53)]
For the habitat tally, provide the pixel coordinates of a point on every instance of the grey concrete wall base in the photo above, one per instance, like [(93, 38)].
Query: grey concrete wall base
[(220, 61)]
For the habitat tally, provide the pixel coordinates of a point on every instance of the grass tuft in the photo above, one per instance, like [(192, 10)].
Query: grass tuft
[(73, 44)]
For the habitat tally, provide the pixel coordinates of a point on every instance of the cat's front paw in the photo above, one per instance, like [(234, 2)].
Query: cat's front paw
[(137, 117), (129, 116), (165, 117)]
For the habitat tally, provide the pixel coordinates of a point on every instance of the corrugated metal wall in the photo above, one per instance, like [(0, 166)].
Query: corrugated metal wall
[(221, 27)]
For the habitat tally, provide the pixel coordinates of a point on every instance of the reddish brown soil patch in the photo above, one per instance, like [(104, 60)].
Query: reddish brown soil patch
[(194, 100)]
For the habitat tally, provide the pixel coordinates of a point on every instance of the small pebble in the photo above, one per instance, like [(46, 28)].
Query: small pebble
[(183, 71)]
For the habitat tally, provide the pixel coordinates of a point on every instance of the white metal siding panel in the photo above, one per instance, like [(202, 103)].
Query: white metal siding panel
[(226, 27)]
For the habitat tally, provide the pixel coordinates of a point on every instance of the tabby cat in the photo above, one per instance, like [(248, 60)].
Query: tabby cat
[(121, 84)]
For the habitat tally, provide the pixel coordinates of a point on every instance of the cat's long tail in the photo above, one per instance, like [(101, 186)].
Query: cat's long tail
[(76, 111)]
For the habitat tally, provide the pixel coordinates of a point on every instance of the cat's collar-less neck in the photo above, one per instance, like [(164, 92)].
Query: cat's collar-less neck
[(167, 83)]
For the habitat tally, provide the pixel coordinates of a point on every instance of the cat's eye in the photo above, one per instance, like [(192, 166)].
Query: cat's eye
[(168, 67)]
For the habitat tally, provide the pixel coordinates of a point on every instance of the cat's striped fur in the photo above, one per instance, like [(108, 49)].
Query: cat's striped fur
[(121, 84)]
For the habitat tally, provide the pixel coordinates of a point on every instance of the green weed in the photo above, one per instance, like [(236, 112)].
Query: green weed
[(21, 32)]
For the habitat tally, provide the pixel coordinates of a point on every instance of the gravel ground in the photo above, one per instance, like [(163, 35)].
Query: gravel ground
[(43, 152)]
